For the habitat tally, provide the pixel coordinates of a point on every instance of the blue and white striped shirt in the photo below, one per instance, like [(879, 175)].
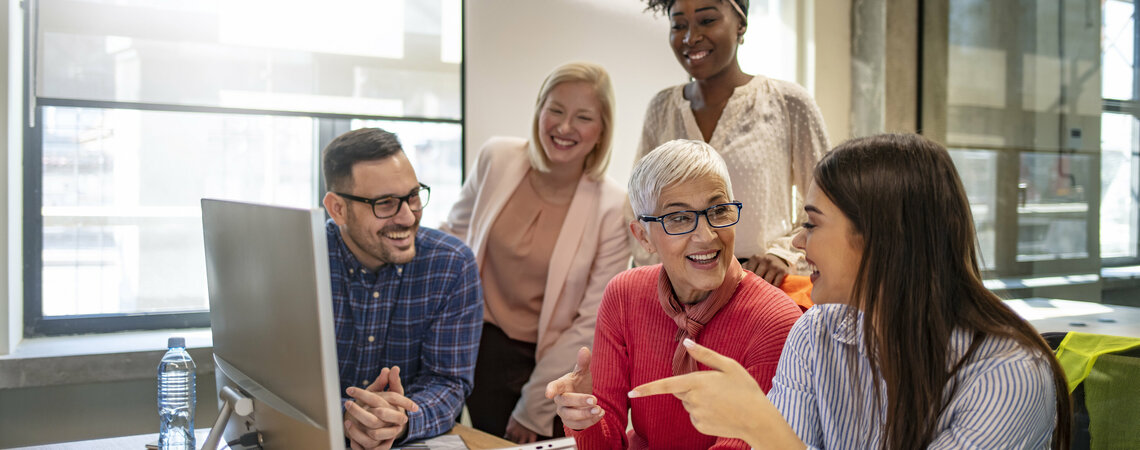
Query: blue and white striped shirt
[(424, 316), (1006, 397)]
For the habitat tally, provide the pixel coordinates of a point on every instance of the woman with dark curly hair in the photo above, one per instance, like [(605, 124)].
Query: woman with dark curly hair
[(769, 132)]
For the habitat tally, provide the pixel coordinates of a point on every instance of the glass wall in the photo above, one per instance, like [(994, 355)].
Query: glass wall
[(1037, 102), (143, 107)]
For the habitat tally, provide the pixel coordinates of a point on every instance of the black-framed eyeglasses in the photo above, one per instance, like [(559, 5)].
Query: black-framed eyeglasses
[(684, 222), (389, 205)]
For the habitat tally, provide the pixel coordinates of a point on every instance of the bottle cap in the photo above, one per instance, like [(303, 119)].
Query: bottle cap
[(176, 342)]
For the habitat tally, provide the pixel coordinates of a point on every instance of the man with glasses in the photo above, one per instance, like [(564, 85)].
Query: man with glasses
[(406, 300)]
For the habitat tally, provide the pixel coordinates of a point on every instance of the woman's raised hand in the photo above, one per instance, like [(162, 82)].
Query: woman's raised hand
[(725, 401), (573, 393)]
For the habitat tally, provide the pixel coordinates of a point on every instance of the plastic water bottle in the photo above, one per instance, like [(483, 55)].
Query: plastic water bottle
[(176, 398)]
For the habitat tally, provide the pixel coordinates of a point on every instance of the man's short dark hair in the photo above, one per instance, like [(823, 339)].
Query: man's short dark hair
[(365, 144)]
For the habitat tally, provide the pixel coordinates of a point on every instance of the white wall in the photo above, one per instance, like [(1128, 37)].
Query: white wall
[(512, 45)]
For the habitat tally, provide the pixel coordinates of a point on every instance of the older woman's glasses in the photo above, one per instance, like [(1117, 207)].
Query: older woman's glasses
[(389, 205), (684, 222)]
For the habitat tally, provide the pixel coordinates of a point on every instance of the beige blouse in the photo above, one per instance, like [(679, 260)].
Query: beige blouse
[(519, 246), (770, 135)]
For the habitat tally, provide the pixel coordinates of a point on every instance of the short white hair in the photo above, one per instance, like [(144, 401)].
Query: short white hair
[(675, 161)]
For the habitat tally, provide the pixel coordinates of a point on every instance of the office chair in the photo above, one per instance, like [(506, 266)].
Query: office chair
[(1106, 402)]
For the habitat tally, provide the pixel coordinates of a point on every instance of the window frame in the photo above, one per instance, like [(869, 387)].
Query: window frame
[(326, 127), (1128, 107)]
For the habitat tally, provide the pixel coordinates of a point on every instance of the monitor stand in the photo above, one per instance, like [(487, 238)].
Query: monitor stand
[(233, 401)]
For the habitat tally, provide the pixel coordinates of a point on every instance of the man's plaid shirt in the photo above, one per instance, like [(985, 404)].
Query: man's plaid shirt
[(425, 316)]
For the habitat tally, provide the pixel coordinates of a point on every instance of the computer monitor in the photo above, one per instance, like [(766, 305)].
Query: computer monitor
[(271, 312)]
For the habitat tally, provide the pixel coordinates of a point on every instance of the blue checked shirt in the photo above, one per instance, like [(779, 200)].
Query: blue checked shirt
[(425, 316), (1006, 398)]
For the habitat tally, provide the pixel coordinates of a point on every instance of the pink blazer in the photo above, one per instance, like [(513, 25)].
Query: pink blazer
[(591, 249)]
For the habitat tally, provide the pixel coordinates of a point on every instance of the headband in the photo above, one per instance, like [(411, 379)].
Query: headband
[(743, 17)]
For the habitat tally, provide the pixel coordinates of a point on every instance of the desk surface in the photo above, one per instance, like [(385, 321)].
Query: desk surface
[(1067, 315), (478, 440), (475, 440)]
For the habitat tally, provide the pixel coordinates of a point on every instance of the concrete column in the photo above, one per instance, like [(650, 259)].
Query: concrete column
[(901, 66), (935, 66), (868, 66), (884, 66)]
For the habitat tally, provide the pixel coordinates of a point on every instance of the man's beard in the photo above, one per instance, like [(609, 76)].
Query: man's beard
[(376, 247)]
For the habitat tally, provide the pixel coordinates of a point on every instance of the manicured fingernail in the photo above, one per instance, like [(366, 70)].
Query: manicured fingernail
[(596, 410), (633, 394), (688, 342), (591, 400)]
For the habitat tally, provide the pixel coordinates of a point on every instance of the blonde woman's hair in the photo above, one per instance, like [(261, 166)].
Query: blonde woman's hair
[(594, 75)]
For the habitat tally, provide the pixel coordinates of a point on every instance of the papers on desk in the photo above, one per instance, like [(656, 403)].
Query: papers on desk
[(1037, 309), (444, 442)]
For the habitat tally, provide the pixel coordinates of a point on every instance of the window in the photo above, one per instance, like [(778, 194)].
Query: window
[(139, 108), (1037, 103)]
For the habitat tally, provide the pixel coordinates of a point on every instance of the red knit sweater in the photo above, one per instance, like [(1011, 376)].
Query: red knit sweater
[(634, 343)]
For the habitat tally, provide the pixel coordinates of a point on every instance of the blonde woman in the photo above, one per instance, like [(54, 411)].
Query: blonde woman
[(547, 230)]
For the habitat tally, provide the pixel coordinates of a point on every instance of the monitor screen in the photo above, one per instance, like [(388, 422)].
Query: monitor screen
[(271, 312)]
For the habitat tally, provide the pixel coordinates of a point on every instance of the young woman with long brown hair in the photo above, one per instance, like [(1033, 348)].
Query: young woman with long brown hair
[(905, 347)]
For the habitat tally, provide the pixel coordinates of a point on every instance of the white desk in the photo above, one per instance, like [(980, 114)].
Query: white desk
[(1067, 315)]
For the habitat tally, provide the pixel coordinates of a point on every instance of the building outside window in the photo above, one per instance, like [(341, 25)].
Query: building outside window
[(1038, 105), (139, 108)]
